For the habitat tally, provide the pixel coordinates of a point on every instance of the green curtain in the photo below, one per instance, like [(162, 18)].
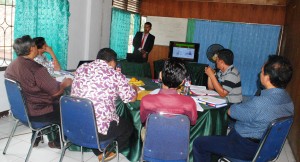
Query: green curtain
[(137, 23), (119, 32), (190, 30), (45, 18)]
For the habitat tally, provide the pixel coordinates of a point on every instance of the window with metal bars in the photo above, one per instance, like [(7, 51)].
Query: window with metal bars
[(128, 5), (7, 16)]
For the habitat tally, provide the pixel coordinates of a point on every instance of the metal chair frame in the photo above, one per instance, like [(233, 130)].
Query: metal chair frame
[(286, 121), (102, 146), (20, 115)]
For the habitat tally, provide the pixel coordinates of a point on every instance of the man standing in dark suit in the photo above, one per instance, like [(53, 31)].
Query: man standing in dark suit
[(143, 43)]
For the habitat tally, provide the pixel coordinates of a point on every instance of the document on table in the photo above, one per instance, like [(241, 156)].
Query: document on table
[(202, 91), (61, 75), (212, 100), (198, 106)]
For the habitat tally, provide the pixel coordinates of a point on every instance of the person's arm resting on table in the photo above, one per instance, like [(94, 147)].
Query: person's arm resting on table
[(213, 82)]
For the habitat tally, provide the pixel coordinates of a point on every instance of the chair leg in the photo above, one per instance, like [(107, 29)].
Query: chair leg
[(81, 150), (63, 151), (31, 146), (117, 150), (60, 136), (10, 136), (103, 155)]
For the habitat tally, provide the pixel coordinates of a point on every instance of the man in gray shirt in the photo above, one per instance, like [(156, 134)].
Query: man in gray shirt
[(226, 81)]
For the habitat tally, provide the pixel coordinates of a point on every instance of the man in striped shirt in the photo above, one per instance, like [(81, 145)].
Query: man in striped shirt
[(226, 81)]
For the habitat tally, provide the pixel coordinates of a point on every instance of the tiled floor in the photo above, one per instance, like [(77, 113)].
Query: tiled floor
[(19, 146), (20, 143)]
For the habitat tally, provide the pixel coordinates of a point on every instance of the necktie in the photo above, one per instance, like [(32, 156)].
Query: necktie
[(142, 43)]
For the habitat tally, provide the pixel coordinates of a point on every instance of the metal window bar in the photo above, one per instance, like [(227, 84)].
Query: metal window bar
[(7, 11)]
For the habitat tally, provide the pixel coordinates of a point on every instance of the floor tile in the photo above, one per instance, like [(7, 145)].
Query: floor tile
[(20, 144)]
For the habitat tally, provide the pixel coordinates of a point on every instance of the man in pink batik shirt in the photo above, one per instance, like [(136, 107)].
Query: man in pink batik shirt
[(102, 84)]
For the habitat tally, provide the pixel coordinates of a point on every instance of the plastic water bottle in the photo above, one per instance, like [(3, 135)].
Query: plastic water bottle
[(119, 67), (187, 85)]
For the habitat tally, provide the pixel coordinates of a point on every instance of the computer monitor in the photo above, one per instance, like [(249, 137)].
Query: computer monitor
[(84, 61), (184, 50)]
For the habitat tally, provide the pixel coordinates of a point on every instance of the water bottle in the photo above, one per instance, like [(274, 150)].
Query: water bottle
[(187, 85), (119, 67)]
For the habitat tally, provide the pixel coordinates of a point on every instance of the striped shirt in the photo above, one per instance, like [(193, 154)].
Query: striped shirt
[(231, 82)]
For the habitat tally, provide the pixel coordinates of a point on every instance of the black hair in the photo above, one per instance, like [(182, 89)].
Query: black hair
[(279, 70), (39, 42), (149, 23), (107, 54), (226, 55), (173, 73), (22, 45)]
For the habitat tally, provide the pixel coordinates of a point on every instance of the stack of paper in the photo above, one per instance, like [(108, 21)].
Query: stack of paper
[(212, 101), (61, 75), (202, 91)]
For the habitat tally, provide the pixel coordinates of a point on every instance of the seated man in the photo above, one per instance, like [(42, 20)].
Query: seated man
[(41, 58), (252, 117), (168, 100), (227, 81), (41, 91), (102, 84)]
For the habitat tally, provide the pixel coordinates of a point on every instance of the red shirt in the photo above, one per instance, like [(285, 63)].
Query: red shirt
[(168, 101)]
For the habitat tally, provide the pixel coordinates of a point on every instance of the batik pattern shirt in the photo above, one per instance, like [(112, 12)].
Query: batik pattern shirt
[(41, 59), (103, 85)]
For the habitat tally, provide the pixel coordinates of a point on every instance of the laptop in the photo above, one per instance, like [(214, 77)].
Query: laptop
[(84, 61)]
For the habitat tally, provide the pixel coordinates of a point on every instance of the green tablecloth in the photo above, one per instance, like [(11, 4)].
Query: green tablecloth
[(135, 69), (196, 71), (211, 121)]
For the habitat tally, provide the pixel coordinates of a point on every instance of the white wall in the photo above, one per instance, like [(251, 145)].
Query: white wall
[(3, 97), (89, 30)]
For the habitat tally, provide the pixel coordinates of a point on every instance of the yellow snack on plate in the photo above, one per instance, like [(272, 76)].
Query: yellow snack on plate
[(137, 83), (133, 79)]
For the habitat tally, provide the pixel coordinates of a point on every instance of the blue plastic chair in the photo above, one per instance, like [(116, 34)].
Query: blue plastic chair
[(167, 138), (79, 126), (272, 142), (19, 112)]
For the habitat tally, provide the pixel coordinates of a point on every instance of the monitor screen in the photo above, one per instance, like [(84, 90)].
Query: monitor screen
[(184, 50)]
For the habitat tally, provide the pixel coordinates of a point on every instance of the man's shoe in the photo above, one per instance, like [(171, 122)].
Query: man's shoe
[(53, 144), (108, 156)]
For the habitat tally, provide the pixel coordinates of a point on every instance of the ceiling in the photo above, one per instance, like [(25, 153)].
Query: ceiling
[(256, 2)]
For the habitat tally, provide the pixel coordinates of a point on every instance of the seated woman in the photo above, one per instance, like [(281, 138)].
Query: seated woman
[(41, 91), (41, 58)]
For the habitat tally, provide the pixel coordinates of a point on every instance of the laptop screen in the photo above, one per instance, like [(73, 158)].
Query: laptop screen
[(84, 61)]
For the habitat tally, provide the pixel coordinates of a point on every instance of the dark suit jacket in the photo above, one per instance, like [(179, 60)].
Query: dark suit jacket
[(137, 40)]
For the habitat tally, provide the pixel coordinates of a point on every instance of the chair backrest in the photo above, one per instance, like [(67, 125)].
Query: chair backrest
[(16, 101), (167, 138), (78, 121), (273, 139)]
